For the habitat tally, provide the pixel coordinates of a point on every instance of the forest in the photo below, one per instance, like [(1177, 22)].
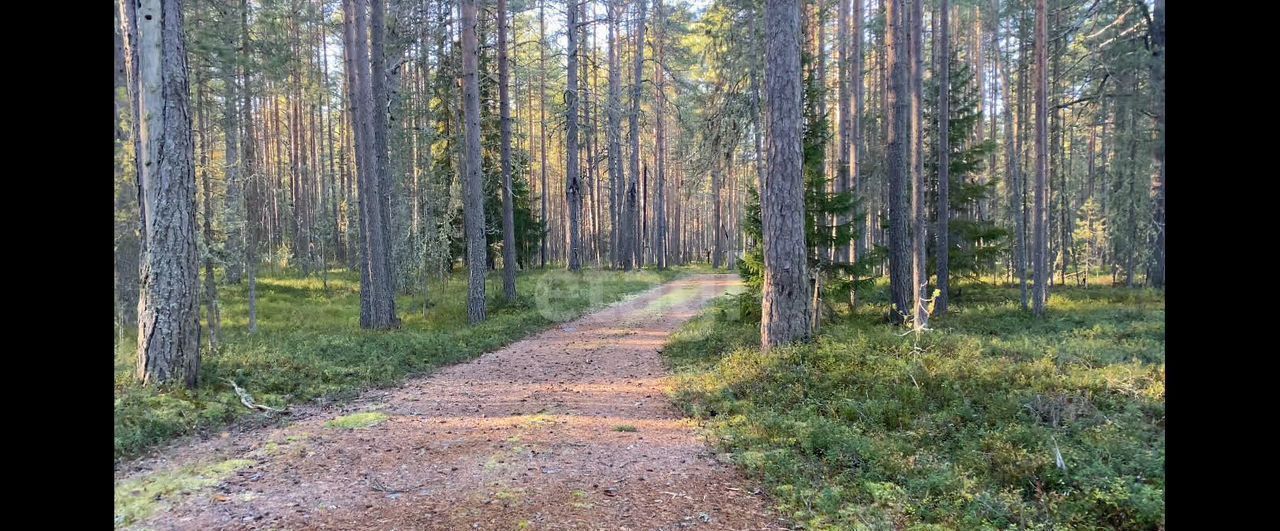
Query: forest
[(645, 264)]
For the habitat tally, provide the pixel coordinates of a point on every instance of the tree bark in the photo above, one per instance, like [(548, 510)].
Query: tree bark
[(859, 147), (631, 225), (377, 308), (573, 184), (473, 179), (542, 127), (899, 142), (785, 312), (1040, 256), (253, 194), (126, 227), (210, 284), (1157, 84), (944, 158), (168, 317), (508, 208), (233, 212), (616, 176), (717, 185), (660, 143), (845, 130), (919, 273), (378, 65)]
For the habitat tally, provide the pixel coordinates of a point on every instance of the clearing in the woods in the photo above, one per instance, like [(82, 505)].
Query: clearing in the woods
[(567, 429)]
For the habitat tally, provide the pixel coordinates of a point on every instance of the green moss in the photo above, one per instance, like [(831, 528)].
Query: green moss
[(356, 421), (865, 428), (624, 427), (138, 498)]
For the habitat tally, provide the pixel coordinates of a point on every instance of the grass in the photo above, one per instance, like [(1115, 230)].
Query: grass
[(356, 421), (624, 427), (309, 344), (868, 429), (136, 499)]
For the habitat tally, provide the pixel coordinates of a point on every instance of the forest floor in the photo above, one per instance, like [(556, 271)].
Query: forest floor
[(992, 419), (571, 428)]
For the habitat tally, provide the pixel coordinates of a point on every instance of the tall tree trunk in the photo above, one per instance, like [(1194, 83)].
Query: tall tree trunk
[(660, 141), (717, 185), (473, 179), (1040, 256), (542, 127), (899, 144), (785, 312), (919, 272), (597, 173), (614, 107), (1157, 84), (126, 227), (253, 195), (210, 284), (1021, 133), (168, 317), (859, 147), (631, 225), (845, 130), (337, 240), (376, 292), (508, 207), (944, 158), (573, 185), (233, 213), (378, 66), (983, 208), (1013, 169)]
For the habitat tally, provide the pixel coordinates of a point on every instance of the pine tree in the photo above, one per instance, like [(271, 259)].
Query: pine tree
[(975, 243), (1090, 237), (832, 220)]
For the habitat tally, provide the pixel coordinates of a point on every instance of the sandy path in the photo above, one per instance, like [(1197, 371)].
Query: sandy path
[(521, 438)]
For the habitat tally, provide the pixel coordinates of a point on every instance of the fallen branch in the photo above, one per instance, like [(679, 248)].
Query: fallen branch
[(248, 400), (375, 484)]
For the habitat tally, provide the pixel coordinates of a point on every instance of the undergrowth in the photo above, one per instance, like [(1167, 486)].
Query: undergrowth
[(860, 430)]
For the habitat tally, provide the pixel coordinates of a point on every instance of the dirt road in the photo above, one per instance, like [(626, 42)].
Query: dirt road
[(567, 429)]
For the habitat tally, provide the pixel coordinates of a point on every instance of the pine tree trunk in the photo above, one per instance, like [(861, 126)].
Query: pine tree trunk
[(126, 227), (659, 101), (717, 184), (593, 149), (473, 179), (378, 65), (631, 225), (253, 192), (845, 141), (573, 185), (1013, 167), (1157, 84), (542, 127), (858, 181), (376, 293), (616, 176), (944, 158), (508, 208), (168, 317), (983, 208), (233, 212), (899, 144), (210, 284), (785, 311), (919, 273), (1041, 254)]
